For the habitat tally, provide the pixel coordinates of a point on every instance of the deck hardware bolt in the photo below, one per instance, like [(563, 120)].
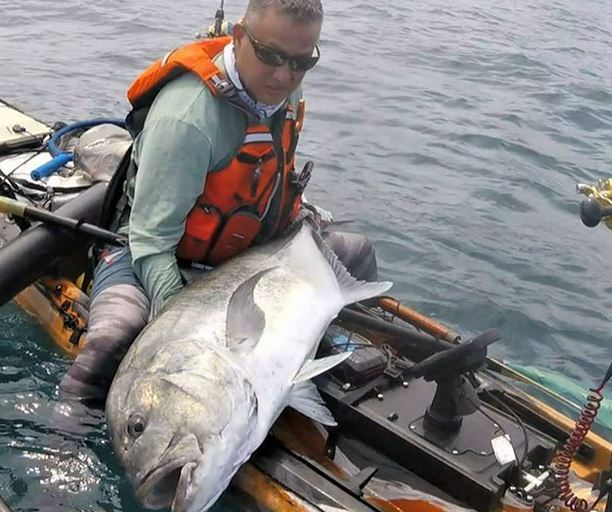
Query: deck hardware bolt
[(346, 386), (393, 416), (380, 396)]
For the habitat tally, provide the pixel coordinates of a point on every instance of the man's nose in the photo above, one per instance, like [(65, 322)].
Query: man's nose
[(283, 73)]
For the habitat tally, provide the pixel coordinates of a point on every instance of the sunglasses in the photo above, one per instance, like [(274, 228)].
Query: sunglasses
[(277, 58)]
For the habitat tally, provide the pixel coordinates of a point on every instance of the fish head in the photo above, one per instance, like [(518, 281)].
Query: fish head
[(181, 430)]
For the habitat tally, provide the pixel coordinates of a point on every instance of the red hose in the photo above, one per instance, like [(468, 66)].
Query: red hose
[(570, 448)]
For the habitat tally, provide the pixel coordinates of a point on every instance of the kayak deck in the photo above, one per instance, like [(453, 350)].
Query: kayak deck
[(383, 456)]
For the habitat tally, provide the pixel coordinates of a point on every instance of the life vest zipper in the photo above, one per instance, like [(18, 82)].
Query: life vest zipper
[(271, 198), (256, 177)]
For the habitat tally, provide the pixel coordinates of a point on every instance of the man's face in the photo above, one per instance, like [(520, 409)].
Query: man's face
[(276, 32)]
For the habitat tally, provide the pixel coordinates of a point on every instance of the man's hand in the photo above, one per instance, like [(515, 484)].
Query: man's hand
[(321, 216)]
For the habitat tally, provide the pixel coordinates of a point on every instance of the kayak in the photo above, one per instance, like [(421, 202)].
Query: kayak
[(426, 421)]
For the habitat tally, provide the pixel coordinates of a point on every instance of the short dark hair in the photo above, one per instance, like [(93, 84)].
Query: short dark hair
[(301, 10)]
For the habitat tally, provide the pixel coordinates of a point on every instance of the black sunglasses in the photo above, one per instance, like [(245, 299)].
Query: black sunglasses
[(277, 58)]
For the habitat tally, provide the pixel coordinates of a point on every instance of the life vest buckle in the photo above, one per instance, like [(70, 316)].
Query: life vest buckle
[(225, 88)]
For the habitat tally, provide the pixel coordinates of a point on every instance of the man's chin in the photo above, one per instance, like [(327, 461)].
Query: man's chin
[(272, 97)]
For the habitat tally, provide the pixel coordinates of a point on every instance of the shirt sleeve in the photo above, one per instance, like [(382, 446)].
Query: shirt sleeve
[(174, 158)]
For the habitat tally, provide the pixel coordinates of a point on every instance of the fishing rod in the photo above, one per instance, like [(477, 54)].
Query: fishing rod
[(402, 335), (23, 210), (219, 17)]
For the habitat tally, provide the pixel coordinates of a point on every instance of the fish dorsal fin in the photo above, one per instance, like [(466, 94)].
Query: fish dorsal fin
[(314, 367), (352, 290), (245, 321), (306, 399)]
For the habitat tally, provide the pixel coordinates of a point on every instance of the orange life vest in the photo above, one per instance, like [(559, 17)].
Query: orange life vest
[(259, 193)]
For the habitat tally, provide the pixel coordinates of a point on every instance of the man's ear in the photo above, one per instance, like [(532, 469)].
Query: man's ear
[(238, 33)]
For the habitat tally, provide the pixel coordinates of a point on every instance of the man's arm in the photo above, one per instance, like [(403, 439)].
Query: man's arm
[(174, 157)]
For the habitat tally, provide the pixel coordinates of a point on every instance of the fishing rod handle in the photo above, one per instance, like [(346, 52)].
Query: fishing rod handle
[(12, 207), (419, 320)]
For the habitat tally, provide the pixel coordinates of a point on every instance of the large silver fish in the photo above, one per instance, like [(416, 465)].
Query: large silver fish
[(201, 386)]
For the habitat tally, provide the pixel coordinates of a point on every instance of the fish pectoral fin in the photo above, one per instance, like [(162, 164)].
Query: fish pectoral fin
[(314, 367), (245, 321), (305, 398)]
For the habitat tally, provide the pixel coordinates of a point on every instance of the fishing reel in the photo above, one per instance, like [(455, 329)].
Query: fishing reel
[(220, 28), (598, 204)]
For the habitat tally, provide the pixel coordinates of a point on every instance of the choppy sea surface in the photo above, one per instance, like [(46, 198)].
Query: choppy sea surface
[(453, 132)]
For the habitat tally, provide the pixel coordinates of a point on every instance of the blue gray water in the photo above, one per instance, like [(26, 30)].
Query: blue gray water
[(452, 131)]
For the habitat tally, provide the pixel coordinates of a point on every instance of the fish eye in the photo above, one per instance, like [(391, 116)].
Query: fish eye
[(136, 425)]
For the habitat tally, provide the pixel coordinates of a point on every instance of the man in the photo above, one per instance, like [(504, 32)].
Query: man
[(216, 125)]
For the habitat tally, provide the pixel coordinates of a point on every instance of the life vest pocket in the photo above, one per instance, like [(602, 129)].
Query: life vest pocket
[(200, 229), (236, 235)]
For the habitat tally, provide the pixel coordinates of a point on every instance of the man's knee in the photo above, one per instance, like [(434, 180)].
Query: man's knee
[(356, 252), (117, 315), (118, 311)]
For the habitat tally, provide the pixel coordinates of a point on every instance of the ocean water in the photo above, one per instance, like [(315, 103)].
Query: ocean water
[(452, 132)]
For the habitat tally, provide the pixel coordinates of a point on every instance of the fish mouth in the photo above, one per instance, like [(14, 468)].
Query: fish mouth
[(161, 486), (168, 482)]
